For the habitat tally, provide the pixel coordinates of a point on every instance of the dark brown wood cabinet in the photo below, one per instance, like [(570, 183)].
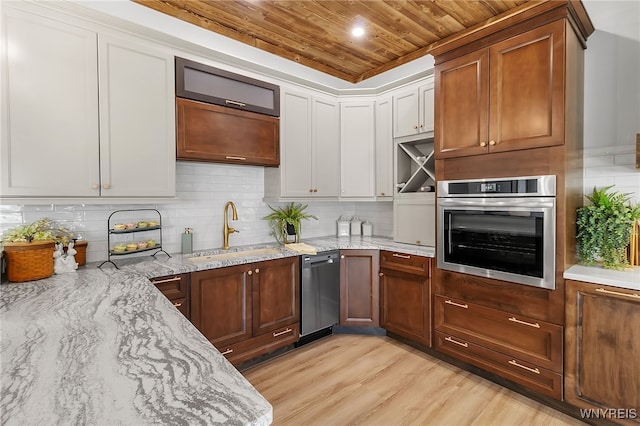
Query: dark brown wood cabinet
[(248, 310), (505, 97), (359, 288), (214, 133), (602, 348), (405, 296), (176, 288)]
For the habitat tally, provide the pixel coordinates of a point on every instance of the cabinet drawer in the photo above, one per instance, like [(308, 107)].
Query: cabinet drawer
[(519, 371), (262, 344), (533, 341), (173, 286), (409, 263)]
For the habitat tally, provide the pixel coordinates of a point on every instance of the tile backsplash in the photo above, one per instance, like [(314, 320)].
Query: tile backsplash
[(202, 191), (612, 165)]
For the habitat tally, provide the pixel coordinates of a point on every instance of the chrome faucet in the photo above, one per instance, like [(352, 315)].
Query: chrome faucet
[(227, 230)]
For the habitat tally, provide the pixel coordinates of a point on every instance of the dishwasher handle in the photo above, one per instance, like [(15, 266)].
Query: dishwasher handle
[(319, 260)]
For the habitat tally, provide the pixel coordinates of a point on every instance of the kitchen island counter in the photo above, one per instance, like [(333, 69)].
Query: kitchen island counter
[(106, 347)]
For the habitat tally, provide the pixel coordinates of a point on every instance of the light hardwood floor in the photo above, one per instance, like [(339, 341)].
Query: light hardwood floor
[(374, 380)]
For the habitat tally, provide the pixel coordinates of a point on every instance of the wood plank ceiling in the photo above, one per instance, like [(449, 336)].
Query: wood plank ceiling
[(317, 33)]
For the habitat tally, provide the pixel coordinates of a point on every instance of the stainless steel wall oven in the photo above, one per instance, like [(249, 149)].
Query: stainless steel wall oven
[(502, 228)]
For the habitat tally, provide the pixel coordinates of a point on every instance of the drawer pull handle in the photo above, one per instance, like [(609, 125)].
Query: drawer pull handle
[(459, 305), (533, 370), (236, 103), (288, 330), (402, 256), (463, 344), (227, 352), (177, 304), (618, 293), (233, 157), (530, 324), (168, 280)]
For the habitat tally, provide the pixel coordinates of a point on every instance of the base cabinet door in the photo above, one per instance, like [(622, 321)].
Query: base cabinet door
[(603, 349), (359, 288), (405, 297), (221, 304), (276, 294)]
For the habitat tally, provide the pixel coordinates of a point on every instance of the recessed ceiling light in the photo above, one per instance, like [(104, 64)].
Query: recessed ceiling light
[(357, 31)]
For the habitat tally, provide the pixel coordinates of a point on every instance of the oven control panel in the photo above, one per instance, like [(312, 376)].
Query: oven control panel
[(517, 186)]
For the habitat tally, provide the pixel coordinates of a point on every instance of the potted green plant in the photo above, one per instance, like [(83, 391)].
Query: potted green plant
[(285, 221), (605, 227)]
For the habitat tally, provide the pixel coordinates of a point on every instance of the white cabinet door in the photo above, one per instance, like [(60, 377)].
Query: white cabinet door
[(405, 113), (427, 109), (326, 148), (414, 219), (49, 108), (137, 119), (357, 141), (384, 148), (295, 139)]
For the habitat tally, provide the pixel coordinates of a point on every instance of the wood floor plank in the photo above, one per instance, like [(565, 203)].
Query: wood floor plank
[(374, 380)]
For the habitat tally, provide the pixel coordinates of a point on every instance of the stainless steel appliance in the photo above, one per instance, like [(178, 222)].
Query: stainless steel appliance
[(320, 292), (502, 228)]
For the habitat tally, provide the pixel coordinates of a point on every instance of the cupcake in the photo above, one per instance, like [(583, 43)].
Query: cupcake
[(142, 224), (151, 223), (119, 226), (151, 243), (131, 225), (119, 248), (142, 245), (132, 246)]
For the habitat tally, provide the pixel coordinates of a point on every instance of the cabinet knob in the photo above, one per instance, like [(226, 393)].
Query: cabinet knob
[(492, 143), (421, 126), (177, 304), (250, 273), (380, 274), (382, 193), (483, 144), (106, 186), (310, 189), (95, 186), (415, 127), (342, 256), (418, 242), (257, 270), (315, 190)]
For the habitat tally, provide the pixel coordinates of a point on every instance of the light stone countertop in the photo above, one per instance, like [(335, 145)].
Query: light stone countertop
[(629, 278), (104, 346)]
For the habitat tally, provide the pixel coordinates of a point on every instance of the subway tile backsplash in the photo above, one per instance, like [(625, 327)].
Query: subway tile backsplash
[(612, 165), (202, 191)]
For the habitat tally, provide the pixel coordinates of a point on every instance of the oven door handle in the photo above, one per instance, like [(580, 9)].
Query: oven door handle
[(497, 203)]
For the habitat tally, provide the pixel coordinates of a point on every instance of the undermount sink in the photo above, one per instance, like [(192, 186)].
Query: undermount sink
[(236, 254)]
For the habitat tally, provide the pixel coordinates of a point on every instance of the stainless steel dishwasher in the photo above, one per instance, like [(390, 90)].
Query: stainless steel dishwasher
[(320, 294)]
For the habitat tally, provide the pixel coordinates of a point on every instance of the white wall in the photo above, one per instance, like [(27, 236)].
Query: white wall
[(612, 96)]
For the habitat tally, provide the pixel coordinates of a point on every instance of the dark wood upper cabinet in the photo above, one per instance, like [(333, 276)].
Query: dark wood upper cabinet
[(200, 82), (218, 134), (508, 96)]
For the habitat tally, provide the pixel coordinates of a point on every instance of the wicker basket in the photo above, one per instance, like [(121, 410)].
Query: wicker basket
[(29, 261)]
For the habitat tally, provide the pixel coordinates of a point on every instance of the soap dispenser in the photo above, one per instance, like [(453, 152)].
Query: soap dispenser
[(187, 241)]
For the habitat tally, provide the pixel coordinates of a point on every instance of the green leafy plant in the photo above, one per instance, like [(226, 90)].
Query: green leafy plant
[(292, 214), (604, 228), (43, 229)]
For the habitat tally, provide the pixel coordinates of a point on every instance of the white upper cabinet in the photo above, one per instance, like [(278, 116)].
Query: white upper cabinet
[(49, 141), (84, 115), (413, 110), (137, 119), (357, 142), (384, 147), (309, 148)]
